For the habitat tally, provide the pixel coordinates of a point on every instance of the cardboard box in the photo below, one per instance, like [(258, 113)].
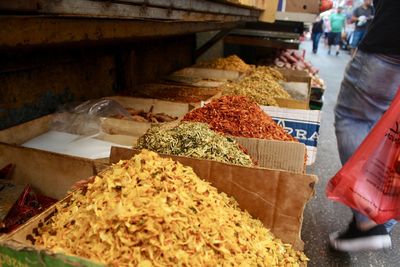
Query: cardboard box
[(299, 6), (277, 198), (49, 173), (159, 106), (204, 77), (132, 128), (297, 83), (20, 134), (302, 124), (112, 129), (278, 155), (272, 154)]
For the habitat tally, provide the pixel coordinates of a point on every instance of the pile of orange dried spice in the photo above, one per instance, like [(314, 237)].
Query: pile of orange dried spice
[(239, 116)]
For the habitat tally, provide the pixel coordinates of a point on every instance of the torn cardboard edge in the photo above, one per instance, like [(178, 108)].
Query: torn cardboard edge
[(272, 154), (276, 197)]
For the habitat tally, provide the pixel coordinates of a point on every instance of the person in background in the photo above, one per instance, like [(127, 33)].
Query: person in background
[(370, 83), (338, 22), (317, 30), (362, 16), (327, 30)]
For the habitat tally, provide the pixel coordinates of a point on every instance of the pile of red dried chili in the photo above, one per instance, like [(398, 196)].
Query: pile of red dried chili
[(28, 205), (238, 116)]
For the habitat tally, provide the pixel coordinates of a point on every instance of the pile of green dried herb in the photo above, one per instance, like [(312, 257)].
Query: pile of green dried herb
[(195, 140)]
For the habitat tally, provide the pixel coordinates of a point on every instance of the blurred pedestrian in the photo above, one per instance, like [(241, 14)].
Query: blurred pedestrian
[(362, 16), (337, 22), (371, 81), (327, 29), (317, 30)]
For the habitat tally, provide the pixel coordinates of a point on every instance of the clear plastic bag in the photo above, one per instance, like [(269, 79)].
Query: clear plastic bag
[(370, 180), (85, 118)]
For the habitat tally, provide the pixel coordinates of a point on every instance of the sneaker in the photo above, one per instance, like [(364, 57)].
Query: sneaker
[(329, 52), (337, 53), (353, 239)]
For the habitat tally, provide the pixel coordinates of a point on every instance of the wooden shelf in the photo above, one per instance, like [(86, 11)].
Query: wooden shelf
[(188, 10), (31, 31), (260, 42)]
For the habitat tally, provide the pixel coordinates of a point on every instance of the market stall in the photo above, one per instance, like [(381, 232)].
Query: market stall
[(125, 150)]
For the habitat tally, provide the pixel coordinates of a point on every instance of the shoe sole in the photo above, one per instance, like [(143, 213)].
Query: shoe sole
[(360, 244)]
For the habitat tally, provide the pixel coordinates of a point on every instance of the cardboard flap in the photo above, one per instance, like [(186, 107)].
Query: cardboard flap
[(206, 73), (51, 174), (159, 106), (21, 133), (292, 103), (277, 198), (288, 156)]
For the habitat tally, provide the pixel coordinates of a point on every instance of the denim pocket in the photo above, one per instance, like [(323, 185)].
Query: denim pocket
[(379, 80)]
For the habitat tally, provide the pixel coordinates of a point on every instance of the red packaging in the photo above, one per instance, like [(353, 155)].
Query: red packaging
[(369, 182)]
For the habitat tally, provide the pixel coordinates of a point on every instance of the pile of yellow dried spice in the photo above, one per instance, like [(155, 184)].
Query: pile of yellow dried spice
[(196, 140), (261, 85), (152, 211), (233, 63)]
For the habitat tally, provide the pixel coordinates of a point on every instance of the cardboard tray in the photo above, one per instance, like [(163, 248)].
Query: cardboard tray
[(277, 198), (272, 154), (296, 81), (204, 77), (49, 173), (194, 96), (24, 132), (15, 136)]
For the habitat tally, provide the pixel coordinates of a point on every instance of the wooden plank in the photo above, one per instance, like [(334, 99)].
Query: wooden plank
[(302, 6), (18, 5), (254, 41), (216, 6), (269, 13), (196, 10), (294, 16), (27, 31)]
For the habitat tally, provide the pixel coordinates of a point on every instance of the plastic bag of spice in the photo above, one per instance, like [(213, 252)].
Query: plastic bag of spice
[(370, 180)]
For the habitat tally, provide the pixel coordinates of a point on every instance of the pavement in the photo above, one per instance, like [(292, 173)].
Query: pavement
[(323, 216)]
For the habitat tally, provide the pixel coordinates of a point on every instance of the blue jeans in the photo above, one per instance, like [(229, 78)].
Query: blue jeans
[(315, 37), (369, 85), (357, 37)]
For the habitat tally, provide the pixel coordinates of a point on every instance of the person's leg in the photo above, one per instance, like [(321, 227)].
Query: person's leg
[(357, 37), (331, 40), (338, 36), (314, 45), (359, 107), (317, 39)]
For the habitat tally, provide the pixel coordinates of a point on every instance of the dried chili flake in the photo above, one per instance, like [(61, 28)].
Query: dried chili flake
[(239, 116)]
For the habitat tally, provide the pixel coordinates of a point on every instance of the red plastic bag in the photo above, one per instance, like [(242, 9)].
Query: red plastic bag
[(369, 182)]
